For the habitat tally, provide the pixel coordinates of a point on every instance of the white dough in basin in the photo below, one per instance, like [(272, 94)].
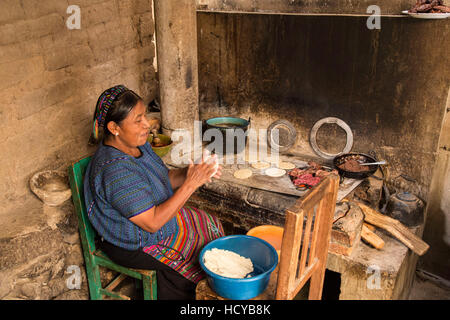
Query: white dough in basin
[(227, 263)]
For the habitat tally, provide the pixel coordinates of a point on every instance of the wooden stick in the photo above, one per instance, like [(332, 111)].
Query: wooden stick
[(371, 237), (395, 228), (371, 227)]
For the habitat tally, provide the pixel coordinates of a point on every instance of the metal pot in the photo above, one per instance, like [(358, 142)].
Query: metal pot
[(229, 126), (337, 161), (406, 208)]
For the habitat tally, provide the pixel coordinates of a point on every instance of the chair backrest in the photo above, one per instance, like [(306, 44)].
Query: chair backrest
[(76, 174), (311, 244)]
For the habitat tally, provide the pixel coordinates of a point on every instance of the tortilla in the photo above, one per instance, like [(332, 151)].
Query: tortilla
[(275, 172), (243, 174), (286, 165), (261, 165)]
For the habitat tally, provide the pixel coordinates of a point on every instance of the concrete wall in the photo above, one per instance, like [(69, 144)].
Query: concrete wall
[(51, 78), (389, 85), (437, 230)]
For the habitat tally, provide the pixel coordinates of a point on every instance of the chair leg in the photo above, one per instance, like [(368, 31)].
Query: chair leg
[(316, 284), (94, 281), (149, 287)]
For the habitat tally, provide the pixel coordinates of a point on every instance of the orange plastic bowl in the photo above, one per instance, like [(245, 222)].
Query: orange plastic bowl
[(272, 234)]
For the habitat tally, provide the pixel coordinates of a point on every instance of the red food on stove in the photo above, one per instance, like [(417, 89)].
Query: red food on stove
[(310, 176), (296, 172), (306, 178), (430, 6), (314, 165)]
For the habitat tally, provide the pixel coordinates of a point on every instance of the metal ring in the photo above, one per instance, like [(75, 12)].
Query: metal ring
[(340, 123), (291, 137)]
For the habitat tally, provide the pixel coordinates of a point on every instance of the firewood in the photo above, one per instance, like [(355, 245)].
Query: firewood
[(371, 237), (371, 227), (395, 228)]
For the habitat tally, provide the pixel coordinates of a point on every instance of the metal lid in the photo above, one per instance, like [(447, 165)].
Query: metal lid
[(406, 196)]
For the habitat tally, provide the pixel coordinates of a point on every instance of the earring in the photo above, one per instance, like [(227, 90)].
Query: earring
[(117, 133)]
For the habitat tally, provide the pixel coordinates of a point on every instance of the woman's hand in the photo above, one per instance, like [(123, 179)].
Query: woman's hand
[(218, 172), (199, 174)]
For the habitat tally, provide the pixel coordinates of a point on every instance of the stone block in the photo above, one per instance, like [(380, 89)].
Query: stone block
[(138, 56), (50, 24), (17, 71), (132, 7), (102, 37), (19, 51), (98, 13), (14, 32), (61, 91), (24, 30), (34, 8), (56, 59), (13, 12)]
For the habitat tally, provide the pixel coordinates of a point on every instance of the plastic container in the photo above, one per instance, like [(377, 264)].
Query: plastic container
[(264, 258), (272, 234)]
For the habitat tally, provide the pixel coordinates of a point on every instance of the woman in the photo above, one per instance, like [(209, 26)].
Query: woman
[(136, 204)]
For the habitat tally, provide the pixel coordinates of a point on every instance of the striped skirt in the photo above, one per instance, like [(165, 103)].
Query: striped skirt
[(181, 250)]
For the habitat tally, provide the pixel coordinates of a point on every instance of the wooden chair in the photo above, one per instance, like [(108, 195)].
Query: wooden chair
[(311, 244), (94, 258), (304, 252)]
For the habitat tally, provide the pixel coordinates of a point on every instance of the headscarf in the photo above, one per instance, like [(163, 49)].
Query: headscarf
[(104, 102)]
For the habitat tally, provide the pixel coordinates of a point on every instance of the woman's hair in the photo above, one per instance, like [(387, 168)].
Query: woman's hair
[(120, 109)]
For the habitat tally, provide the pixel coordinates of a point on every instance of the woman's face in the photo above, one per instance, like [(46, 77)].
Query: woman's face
[(134, 129)]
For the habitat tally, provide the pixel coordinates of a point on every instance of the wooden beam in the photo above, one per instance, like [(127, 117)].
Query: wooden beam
[(295, 7)]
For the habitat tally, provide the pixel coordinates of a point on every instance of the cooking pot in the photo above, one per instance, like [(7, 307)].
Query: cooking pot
[(363, 158), (406, 208), (229, 126)]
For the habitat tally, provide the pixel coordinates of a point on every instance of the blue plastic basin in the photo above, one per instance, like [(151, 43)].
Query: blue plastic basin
[(264, 258)]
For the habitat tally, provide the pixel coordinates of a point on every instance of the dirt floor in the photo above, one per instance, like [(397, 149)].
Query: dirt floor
[(423, 289), (427, 290)]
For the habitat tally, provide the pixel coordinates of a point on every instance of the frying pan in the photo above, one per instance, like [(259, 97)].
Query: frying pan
[(337, 161)]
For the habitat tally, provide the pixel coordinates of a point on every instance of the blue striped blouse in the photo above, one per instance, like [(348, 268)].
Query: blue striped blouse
[(118, 186)]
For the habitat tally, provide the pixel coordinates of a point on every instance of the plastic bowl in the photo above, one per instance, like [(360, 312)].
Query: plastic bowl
[(272, 234), (161, 151), (264, 258)]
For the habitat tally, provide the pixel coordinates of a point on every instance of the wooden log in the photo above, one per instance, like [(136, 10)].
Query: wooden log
[(369, 236), (395, 228), (371, 227)]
